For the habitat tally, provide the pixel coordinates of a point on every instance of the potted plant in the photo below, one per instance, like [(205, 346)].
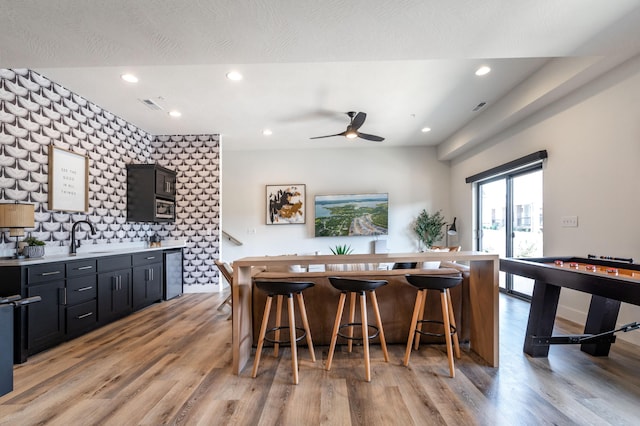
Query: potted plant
[(341, 249), (428, 227), (338, 250), (34, 247)]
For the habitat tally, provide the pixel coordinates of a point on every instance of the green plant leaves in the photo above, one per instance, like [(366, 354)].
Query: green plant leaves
[(341, 249)]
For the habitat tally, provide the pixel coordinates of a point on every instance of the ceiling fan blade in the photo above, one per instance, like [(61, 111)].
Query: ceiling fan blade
[(373, 138), (328, 136), (358, 120)]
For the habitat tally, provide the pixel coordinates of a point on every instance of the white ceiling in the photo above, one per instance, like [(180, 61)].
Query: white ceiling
[(406, 63)]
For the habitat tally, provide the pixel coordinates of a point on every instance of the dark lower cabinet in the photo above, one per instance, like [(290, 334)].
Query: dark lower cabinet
[(147, 285), (78, 296), (114, 295), (147, 278), (46, 319)]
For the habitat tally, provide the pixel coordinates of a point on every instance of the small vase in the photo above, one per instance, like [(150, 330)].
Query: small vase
[(33, 251)]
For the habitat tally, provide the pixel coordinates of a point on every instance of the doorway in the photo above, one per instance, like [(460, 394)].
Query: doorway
[(509, 217)]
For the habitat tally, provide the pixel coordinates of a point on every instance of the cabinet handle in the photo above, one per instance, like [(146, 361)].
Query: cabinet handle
[(82, 268), (85, 288), (44, 274), (62, 294), (119, 282), (88, 314), (150, 257)]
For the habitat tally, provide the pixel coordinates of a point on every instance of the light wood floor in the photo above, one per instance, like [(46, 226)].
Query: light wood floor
[(171, 364)]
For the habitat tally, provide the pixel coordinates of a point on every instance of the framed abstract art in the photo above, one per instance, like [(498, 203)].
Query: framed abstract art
[(286, 204)]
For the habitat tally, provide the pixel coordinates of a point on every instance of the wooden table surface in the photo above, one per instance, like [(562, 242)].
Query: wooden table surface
[(483, 294)]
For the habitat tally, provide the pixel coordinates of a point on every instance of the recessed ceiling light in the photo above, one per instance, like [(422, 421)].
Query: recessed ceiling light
[(483, 70), (234, 76), (426, 129), (175, 114), (129, 78), (267, 132)]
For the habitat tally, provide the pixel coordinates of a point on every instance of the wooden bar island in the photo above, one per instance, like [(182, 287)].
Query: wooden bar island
[(483, 294)]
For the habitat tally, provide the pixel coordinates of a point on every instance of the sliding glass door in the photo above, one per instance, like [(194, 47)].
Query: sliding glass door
[(509, 217)]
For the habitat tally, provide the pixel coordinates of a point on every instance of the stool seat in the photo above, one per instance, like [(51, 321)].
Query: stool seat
[(355, 285), (442, 284), (283, 287), (433, 282), (358, 287), (279, 290)]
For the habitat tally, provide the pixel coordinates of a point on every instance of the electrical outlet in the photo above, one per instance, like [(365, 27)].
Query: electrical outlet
[(569, 221), (251, 231)]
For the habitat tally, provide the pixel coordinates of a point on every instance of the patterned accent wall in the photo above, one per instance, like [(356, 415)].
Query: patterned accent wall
[(36, 113), (197, 163)]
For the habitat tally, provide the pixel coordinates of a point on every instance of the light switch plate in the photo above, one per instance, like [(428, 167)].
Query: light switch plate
[(569, 221)]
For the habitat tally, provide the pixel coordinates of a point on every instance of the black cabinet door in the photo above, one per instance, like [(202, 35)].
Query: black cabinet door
[(45, 319), (147, 285), (165, 183), (114, 295)]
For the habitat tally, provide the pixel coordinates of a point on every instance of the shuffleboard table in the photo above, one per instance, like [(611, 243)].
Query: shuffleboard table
[(609, 282)]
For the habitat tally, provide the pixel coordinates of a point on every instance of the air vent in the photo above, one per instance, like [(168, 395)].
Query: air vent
[(479, 106), (151, 105)]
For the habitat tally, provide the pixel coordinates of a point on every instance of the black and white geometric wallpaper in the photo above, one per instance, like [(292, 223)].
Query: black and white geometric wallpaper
[(36, 113), (196, 160)]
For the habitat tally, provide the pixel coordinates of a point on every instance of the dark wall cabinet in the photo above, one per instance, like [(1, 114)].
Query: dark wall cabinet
[(79, 296), (151, 193)]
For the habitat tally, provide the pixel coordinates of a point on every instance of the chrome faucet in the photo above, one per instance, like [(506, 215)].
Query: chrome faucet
[(75, 244)]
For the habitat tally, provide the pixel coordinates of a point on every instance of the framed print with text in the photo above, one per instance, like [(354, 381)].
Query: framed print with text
[(68, 180)]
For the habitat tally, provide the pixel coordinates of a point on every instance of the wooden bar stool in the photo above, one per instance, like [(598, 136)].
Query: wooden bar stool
[(281, 289), (360, 287), (442, 284)]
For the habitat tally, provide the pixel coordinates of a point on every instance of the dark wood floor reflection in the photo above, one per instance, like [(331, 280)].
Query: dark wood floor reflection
[(171, 364)]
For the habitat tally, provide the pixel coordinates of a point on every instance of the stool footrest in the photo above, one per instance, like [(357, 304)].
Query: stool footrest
[(452, 329), (280, 342), (358, 324)]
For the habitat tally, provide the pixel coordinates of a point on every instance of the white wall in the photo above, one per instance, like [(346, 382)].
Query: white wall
[(413, 178), (593, 171)]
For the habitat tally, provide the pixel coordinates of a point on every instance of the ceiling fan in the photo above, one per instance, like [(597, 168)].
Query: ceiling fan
[(357, 119)]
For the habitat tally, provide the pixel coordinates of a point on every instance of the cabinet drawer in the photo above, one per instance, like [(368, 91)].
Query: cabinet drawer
[(45, 272), (81, 289), (82, 317), (114, 262), (82, 267), (147, 258)]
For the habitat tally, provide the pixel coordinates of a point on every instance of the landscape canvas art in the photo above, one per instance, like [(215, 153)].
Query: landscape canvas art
[(285, 204), (351, 215)]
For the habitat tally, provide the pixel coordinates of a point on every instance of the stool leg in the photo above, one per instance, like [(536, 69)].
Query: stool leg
[(416, 346), (447, 331), (412, 328), (376, 311), (336, 326), (365, 335), (452, 320), (263, 330), (352, 316), (292, 337), (305, 324), (276, 346)]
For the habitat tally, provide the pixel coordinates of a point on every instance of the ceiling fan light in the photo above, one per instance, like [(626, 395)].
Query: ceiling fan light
[(351, 134)]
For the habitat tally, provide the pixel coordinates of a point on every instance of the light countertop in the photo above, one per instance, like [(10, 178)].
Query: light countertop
[(61, 254)]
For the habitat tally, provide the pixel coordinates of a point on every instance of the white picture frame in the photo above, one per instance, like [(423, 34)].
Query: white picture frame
[(68, 180)]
